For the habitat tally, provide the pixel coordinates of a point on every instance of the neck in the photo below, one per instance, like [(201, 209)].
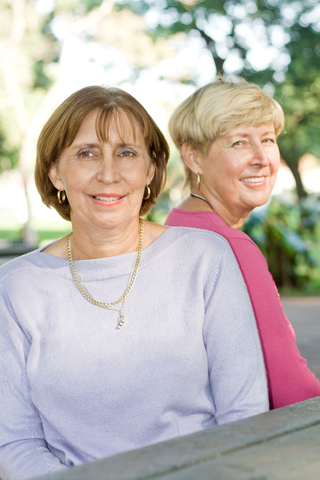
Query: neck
[(199, 197), (92, 244), (234, 219), (236, 224), (212, 203)]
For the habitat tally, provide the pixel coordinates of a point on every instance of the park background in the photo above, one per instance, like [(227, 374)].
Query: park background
[(160, 51)]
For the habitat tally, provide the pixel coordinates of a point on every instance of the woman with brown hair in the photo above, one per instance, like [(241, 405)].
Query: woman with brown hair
[(123, 333)]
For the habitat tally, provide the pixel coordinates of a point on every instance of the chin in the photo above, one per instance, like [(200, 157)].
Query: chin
[(261, 201), (259, 204)]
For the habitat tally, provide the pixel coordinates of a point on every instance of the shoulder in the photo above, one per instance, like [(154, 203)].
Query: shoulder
[(23, 266), (186, 246), (14, 266), (212, 222), (206, 221), (195, 239), (190, 257)]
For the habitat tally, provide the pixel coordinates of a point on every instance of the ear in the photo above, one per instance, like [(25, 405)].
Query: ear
[(191, 157), (55, 176), (150, 173)]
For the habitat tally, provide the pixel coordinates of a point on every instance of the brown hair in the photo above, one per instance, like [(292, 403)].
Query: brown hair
[(62, 127), (216, 109)]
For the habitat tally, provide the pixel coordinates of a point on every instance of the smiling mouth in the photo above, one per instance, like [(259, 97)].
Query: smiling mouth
[(253, 179), (107, 199)]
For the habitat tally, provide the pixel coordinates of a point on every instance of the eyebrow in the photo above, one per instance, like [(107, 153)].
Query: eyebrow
[(244, 134), (132, 145), (239, 134), (84, 145), (119, 145)]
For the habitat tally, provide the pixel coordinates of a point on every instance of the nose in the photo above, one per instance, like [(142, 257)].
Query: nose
[(108, 171), (259, 155)]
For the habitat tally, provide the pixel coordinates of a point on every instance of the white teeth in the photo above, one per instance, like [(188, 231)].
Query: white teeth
[(108, 199), (252, 179)]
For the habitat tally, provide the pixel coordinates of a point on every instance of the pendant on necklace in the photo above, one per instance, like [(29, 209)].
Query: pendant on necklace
[(120, 320)]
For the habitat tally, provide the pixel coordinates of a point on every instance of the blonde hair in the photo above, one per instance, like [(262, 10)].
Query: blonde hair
[(62, 127), (217, 108)]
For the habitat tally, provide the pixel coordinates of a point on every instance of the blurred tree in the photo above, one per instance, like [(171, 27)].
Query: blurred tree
[(22, 45), (274, 43), (288, 236), (9, 155), (34, 38), (30, 91), (298, 87), (300, 98)]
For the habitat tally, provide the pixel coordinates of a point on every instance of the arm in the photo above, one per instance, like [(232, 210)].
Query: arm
[(289, 378), (236, 367), (23, 450), (293, 333)]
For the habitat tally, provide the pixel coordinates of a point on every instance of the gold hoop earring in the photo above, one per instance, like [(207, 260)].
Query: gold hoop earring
[(61, 195), (198, 181), (148, 193)]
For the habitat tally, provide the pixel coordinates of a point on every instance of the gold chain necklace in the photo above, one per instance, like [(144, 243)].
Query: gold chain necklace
[(133, 275)]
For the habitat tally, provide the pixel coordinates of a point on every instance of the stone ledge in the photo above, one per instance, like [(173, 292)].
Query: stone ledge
[(194, 456)]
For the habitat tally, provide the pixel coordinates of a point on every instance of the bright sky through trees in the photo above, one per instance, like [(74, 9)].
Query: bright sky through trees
[(160, 51)]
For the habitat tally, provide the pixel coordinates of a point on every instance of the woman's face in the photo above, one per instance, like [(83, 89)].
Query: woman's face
[(240, 169), (104, 182)]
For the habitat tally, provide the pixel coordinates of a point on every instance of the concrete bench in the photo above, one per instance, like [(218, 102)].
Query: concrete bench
[(282, 444)]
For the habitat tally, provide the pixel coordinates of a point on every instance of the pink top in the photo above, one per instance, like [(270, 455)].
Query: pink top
[(289, 379)]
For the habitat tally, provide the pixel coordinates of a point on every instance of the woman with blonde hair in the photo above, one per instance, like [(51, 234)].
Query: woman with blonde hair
[(106, 345), (226, 133)]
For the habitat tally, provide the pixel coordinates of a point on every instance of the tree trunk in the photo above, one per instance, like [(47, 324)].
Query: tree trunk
[(212, 48), (28, 236), (301, 192)]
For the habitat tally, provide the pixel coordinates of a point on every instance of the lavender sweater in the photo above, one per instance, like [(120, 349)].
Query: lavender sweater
[(75, 389)]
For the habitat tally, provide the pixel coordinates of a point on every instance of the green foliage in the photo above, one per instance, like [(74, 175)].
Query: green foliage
[(77, 7), (46, 233), (169, 17), (9, 156), (40, 77), (174, 184), (289, 26), (299, 95), (288, 236)]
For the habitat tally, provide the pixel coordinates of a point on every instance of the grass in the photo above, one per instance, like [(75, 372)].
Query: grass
[(46, 232)]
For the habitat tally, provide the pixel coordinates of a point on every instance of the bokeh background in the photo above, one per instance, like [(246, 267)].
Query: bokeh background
[(160, 51)]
